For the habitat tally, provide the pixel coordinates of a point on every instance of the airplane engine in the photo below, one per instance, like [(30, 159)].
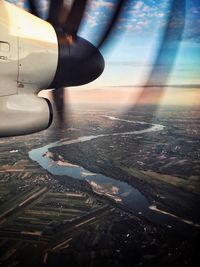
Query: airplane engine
[(24, 114), (37, 55)]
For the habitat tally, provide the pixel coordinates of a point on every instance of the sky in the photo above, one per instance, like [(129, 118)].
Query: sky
[(131, 51)]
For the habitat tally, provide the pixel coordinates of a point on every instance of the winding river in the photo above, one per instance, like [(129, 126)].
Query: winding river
[(121, 192)]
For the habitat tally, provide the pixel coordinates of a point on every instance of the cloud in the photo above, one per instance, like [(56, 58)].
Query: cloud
[(138, 5), (98, 12), (91, 20), (101, 3)]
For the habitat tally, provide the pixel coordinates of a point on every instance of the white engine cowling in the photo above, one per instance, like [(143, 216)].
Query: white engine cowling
[(28, 62), (24, 114)]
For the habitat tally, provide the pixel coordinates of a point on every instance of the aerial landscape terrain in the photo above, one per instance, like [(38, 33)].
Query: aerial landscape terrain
[(112, 188), (115, 179)]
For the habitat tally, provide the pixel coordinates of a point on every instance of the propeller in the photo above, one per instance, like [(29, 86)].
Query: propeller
[(79, 61), (69, 26), (33, 8), (74, 18), (119, 5), (167, 51), (55, 10), (58, 96)]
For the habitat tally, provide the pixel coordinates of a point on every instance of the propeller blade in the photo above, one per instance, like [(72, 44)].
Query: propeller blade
[(112, 23), (74, 18), (167, 52), (55, 11), (33, 8), (169, 44), (58, 97)]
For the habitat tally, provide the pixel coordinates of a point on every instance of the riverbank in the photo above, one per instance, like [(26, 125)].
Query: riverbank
[(98, 172)]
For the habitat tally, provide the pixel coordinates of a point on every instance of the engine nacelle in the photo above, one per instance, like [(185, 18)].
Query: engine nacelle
[(24, 114), (33, 56)]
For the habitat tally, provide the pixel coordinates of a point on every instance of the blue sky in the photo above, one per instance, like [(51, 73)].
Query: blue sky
[(135, 41), (133, 46)]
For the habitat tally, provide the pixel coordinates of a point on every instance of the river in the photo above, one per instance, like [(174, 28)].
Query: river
[(119, 191)]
